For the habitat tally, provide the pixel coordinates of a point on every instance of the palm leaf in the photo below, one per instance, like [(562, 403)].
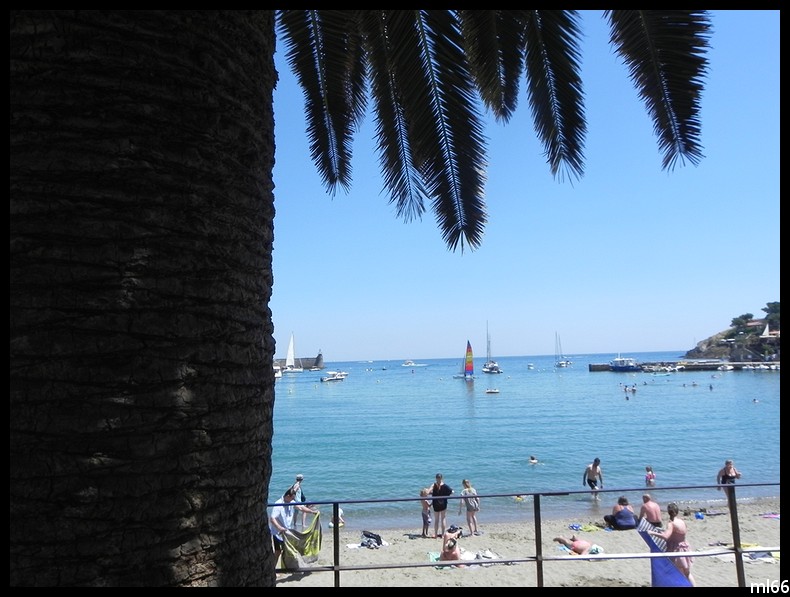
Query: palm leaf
[(555, 88), (494, 43), (664, 51), (324, 51)]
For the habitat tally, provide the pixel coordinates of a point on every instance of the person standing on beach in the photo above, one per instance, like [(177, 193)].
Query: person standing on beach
[(727, 474), (440, 489), (281, 521), (650, 477), (592, 476), (675, 536), (300, 497), (472, 503), (426, 511)]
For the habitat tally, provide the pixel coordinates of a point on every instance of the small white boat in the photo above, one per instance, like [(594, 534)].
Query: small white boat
[(335, 376), (413, 364), (492, 391)]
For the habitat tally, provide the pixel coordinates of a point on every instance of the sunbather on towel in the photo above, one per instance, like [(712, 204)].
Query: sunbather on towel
[(576, 545)]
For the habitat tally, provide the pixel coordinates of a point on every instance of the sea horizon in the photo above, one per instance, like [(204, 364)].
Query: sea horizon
[(386, 430)]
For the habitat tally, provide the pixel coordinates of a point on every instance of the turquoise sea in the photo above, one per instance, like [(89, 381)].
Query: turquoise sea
[(386, 430)]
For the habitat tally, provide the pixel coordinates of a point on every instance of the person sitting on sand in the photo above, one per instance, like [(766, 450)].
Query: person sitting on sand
[(450, 548), (650, 510), (340, 521), (622, 517), (576, 545)]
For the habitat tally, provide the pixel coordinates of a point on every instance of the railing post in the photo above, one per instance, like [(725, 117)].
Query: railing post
[(538, 541), (736, 534), (336, 540)]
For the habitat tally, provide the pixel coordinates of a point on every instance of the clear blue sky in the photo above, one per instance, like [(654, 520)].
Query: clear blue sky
[(630, 258)]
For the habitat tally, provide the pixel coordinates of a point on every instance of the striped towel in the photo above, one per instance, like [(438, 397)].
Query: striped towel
[(645, 526)]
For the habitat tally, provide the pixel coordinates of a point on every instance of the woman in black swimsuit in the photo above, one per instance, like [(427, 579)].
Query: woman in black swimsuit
[(727, 474)]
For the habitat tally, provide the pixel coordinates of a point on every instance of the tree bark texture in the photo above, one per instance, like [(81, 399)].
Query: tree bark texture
[(142, 390)]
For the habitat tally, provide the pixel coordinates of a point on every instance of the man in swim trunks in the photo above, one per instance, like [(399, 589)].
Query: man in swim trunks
[(650, 510), (592, 476)]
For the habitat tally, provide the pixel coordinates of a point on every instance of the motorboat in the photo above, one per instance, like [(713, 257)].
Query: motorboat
[(624, 364), (492, 391), (413, 364), (335, 376)]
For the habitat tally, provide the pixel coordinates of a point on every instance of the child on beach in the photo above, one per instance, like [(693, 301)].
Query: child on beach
[(472, 503), (426, 512)]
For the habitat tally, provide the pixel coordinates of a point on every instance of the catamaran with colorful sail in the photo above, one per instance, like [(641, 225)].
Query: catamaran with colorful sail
[(468, 366)]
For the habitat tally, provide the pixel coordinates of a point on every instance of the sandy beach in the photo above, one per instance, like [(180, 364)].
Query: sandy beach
[(759, 526)]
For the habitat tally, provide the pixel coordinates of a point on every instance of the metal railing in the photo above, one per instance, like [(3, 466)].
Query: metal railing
[(540, 557)]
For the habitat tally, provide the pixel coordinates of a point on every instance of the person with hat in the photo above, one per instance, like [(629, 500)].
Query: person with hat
[(301, 500)]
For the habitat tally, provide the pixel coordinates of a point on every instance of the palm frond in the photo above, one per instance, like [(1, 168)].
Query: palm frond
[(555, 87), (494, 43), (324, 52), (401, 178), (664, 52), (440, 109)]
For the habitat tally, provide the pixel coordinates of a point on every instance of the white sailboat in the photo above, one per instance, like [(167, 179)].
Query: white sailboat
[(559, 358), (290, 359), (490, 366)]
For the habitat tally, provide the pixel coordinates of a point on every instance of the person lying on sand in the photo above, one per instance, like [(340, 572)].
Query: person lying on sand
[(576, 545)]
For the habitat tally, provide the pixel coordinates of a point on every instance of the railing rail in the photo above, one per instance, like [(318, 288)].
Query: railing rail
[(539, 558)]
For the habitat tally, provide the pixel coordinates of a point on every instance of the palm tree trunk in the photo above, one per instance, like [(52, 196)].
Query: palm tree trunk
[(141, 344)]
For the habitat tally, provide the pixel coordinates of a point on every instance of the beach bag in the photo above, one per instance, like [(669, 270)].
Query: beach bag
[(377, 538)]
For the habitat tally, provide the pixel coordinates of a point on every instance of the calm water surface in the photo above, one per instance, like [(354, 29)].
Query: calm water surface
[(386, 430)]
